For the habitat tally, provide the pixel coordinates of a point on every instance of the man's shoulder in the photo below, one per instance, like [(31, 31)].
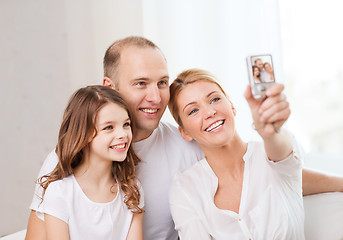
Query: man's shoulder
[(170, 134), (49, 164), (191, 174)]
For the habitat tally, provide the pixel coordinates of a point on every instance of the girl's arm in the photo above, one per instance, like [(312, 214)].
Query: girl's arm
[(268, 116), (55, 228), (136, 227), (35, 228)]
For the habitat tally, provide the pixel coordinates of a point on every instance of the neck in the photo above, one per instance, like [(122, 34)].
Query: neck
[(93, 170), (228, 158), (142, 134)]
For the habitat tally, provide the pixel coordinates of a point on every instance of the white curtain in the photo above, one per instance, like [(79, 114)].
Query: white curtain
[(216, 36)]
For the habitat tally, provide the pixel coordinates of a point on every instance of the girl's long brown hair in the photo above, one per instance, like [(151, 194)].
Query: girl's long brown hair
[(78, 129)]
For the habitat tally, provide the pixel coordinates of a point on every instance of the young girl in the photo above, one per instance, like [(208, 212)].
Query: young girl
[(93, 192), (239, 190), (256, 74)]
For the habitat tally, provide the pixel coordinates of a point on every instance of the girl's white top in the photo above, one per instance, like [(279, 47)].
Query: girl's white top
[(86, 219), (271, 204)]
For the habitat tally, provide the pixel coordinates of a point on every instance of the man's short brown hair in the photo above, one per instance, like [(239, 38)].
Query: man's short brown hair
[(112, 55)]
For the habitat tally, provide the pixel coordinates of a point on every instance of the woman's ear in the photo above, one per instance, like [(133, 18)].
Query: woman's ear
[(107, 82), (233, 109), (184, 134)]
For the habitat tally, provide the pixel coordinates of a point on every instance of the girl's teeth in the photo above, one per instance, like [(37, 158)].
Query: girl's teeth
[(119, 146)]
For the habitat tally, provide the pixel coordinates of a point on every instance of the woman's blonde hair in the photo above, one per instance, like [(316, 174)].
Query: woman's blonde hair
[(78, 129), (183, 79)]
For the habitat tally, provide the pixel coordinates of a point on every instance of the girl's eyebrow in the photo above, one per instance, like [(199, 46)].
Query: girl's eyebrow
[(111, 122)]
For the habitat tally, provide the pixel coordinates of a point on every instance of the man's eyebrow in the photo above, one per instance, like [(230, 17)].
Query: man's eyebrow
[(139, 78)]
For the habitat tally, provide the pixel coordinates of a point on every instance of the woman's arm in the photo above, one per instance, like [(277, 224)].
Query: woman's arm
[(55, 228), (136, 227), (35, 228), (268, 116)]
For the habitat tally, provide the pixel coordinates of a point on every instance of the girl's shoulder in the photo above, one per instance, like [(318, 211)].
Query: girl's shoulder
[(62, 187)]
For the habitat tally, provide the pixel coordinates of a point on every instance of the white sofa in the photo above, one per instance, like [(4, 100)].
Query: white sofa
[(323, 218)]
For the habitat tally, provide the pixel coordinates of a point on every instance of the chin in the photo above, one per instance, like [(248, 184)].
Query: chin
[(149, 127)]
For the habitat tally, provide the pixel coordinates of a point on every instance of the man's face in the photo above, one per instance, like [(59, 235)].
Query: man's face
[(143, 81), (259, 64)]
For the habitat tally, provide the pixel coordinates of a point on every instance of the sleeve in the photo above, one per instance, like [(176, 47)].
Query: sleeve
[(292, 165), (54, 202), (141, 200), (48, 165), (187, 221)]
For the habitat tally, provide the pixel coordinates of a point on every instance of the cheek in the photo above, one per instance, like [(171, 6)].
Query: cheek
[(165, 94), (129, 136), (192, 125)]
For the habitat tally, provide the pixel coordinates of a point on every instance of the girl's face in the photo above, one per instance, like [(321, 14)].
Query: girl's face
[(256, 72), (207, 114), (113, 134)]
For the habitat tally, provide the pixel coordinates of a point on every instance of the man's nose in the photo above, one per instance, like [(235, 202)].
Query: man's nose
[(153, 94)]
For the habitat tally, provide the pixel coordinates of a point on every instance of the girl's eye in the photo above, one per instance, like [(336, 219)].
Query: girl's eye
[(108, 128), (192, 112), (215, 100), (127, 124)]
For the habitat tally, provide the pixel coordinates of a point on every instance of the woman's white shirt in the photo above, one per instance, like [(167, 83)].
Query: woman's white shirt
[(271, 202), (86, 219)]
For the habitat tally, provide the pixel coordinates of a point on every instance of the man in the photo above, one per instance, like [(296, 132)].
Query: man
[(137, 69), (264, 75)]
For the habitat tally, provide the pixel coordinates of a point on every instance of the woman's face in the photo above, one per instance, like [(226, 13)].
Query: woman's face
[(206, 114), (256, 72)]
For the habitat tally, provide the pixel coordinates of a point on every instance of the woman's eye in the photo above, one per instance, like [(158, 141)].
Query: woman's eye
[(192, 111), (215, 100), (108, 128)]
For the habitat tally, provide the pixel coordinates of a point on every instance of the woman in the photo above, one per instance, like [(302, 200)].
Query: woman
[(93, 193), (256, 74), (268, 68), (239, 190)]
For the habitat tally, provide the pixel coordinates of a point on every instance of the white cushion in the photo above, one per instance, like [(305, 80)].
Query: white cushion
[(324, 216)]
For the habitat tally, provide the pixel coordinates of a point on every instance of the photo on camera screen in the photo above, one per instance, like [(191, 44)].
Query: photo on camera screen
[(262, 69)]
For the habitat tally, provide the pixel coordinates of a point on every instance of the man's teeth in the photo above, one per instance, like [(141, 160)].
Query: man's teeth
[(119, 146), (214, 126), (149, 110)]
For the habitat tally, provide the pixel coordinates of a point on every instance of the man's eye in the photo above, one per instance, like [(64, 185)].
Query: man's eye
[(162, 83), (140, 84), (215, 100), (192, 111)]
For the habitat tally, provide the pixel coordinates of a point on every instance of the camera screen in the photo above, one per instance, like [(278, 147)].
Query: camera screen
[(262, 69)]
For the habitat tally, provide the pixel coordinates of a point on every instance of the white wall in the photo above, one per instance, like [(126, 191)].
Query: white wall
[(48, 49)]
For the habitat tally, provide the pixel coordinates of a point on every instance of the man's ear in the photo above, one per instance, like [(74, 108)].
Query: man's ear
[(107, 82), (184, 134)]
